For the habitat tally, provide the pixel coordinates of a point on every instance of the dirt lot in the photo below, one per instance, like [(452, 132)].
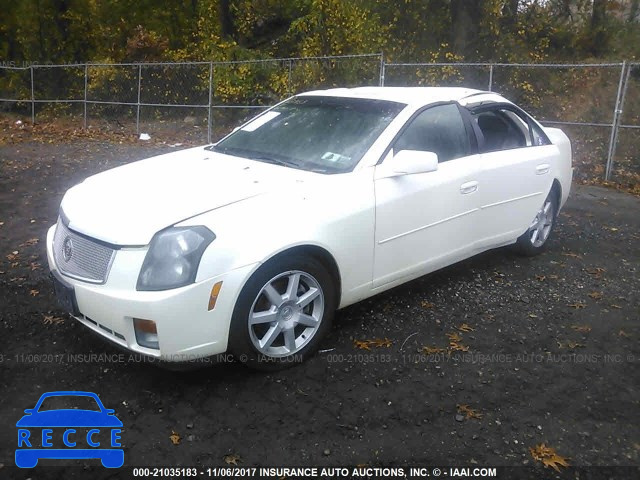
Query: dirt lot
[(553, 351)]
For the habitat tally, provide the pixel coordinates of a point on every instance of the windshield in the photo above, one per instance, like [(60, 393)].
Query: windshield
[(321, 134)]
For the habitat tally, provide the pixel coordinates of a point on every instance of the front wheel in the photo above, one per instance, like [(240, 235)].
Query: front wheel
[(282, 313), (534, 240)]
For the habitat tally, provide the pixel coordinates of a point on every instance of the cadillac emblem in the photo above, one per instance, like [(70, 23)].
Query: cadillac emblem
[(67, 249)]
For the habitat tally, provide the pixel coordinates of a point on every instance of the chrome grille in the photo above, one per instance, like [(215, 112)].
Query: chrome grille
[(80, 257)]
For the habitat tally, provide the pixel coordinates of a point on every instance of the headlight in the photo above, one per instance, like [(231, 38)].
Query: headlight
[(173, 258)]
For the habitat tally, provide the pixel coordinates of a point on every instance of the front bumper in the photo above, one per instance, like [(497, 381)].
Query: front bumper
[(187, 330)]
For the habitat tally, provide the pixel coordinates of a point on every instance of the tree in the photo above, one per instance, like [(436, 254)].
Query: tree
[(466, 16), (226, 19), (510, 14), (599, 33)]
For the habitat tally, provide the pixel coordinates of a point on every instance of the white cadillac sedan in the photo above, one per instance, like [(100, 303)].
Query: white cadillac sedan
[(249, 245)]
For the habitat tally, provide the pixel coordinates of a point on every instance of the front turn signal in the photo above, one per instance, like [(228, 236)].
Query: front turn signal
[(213, 298)]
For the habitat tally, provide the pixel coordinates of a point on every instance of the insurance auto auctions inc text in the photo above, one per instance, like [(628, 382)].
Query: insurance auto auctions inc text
[(351, 472)]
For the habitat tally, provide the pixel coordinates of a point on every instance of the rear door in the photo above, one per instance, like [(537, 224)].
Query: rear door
[(516, 175)]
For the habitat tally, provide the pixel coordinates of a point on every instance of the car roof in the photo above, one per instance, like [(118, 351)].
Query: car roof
[(409, 95)]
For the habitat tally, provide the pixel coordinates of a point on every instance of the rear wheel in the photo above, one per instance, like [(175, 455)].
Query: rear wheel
[(282, 313), (534, 240)]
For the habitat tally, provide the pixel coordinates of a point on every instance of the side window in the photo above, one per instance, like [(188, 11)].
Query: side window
[(500, 131), (439, 129), (538, 136)]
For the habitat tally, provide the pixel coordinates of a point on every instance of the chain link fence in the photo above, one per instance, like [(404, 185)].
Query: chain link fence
[(598, 105), (587, 101), (199, 100), (626, 140)]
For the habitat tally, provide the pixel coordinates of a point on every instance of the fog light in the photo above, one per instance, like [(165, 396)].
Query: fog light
[(146, 333), (213, 298)]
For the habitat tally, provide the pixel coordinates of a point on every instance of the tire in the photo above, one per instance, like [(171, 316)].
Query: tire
[(535, 239), (271, 329)]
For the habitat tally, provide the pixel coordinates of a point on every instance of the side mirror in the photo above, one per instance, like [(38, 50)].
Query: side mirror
[(29, 411), (408, 162), (109, 411)]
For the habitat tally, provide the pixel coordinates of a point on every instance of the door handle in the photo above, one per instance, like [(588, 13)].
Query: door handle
[(543, 168), (468, 187)]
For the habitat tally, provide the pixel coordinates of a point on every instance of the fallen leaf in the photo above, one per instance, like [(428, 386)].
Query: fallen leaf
[(458, 347), (454, 337), (574, 345), (30, 242), (12, 256), (541, 278), (469, 412), (362, 344), (34, 292), (533, 315), (622, 333), (548, 457), (581, 328), (426, 304), (35, 266), (376, 342), (577, 305), (595, 295), (232, 459), (465, 328), (51, 320), (613, 305), (433, 350), (555, 461), (596, 272), (571, 254), (612, 229), (175, 437)]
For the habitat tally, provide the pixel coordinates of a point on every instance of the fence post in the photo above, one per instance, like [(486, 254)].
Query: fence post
[(85, 94), (289, 89), (382, 69), (615, 123), (138, 107), (619, 110), (210, 100), (491, 77), (33, 100)]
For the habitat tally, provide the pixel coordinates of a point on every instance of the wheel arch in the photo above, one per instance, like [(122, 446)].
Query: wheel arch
[(318, 253), (556, 189)]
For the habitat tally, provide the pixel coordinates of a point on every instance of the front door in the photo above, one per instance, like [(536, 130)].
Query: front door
[(426, 220)]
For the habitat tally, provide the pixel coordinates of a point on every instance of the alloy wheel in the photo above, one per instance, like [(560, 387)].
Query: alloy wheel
[(286, 314), (540, 228)]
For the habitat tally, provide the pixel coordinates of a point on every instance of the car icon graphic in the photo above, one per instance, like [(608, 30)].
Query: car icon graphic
[(79, 427)]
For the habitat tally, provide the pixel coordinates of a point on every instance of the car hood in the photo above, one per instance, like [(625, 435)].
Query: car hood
[(69, 418), (128, 205)]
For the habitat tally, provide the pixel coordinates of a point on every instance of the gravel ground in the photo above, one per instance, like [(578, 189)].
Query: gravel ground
[(541, 350)]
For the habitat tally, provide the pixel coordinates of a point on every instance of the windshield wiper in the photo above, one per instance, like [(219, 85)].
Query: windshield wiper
[(251, 155), (274, 161)]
